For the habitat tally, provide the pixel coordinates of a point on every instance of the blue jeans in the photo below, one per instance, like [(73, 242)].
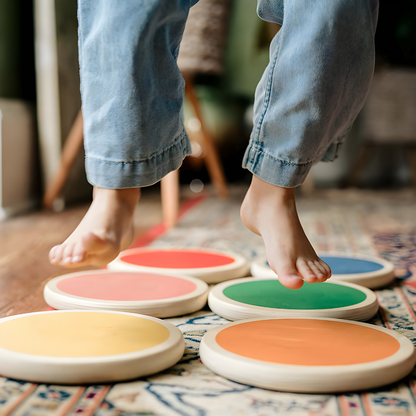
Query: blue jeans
[(320, 70)]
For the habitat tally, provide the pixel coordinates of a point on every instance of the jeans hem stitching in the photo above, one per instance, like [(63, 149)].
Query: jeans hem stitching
[(176, 143), (260, 151)]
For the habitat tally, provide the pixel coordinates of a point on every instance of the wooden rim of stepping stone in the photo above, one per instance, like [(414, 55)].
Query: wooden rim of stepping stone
[(83, 347), (158, 295), (307, 355), (208, 265), (261, 298), (362, 269)]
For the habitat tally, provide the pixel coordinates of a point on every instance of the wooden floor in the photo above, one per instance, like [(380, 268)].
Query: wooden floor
[(26, 240)]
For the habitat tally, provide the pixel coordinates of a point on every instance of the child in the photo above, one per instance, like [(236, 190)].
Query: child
[(320, 70)]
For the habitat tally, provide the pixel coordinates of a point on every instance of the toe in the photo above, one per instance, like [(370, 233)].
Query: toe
[(327, 269), (67, 254), (56, 253), (52, 254), (79, 254), (289, 277), (320, 276), (326, 274), (306, 272), (320, 267)]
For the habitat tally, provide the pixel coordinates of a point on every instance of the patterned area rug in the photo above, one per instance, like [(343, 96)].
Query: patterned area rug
[(348, 221)]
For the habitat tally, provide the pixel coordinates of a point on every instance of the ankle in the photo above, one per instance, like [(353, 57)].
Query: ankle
[(264, 190), (127, 198)]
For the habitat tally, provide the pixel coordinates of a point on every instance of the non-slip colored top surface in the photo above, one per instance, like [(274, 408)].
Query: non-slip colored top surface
[(307, 342), (177, 259), (343, 265), (80, 334), (125, 286), (272, 294)]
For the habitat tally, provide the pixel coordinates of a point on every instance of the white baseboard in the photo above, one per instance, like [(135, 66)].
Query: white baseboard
[(18, 209)]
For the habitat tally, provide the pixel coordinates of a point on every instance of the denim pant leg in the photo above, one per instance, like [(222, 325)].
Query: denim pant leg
[(320, 70), (132, 90)]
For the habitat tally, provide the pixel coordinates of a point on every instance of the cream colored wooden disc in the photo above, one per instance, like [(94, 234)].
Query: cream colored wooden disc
[(307, 355), (260, 298), (78, 347), (158, 295)]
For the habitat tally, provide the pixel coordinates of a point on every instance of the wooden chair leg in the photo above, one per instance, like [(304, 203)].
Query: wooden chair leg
[(211, 158), (70, 151), (169, 186), (363, 158)]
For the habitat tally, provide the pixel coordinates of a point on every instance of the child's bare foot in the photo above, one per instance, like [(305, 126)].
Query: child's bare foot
[(105, 230), (270, 211)]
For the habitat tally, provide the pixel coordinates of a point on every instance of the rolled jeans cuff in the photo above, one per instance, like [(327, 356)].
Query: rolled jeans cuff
[(112, 174), (275, 171), (280, 172)]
